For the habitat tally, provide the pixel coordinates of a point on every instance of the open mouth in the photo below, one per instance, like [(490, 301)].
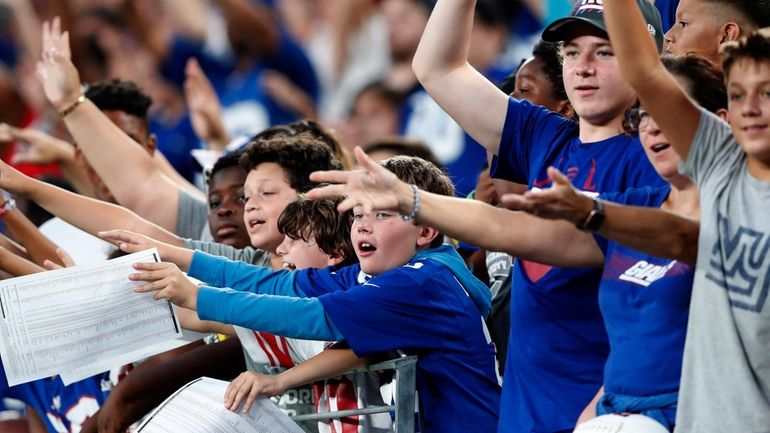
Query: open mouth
[(289, 266), (660, 147), (366, 247), (255, 222)]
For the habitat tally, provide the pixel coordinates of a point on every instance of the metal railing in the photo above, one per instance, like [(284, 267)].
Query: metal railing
[(406, 370)]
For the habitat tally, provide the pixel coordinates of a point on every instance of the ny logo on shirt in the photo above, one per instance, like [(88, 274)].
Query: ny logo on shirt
[(740, 263)]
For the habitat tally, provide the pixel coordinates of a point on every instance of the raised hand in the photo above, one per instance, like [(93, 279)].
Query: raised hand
[(560, 201), (168, 282), (58, 75), (41, 147), (371, 187), (204, 106), (250, 385)]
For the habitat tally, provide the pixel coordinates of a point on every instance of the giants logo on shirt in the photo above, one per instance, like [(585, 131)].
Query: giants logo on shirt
[(644, 273), (741, 264)]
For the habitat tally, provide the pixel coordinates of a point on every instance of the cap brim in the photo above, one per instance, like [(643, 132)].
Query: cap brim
[(558, 30)]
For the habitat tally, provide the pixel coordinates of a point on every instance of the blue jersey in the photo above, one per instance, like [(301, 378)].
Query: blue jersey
[(432, 307), (558, 345), (645, 302), (63, 409)]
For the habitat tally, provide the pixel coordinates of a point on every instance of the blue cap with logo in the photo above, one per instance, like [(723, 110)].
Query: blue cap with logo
[(592, 12)]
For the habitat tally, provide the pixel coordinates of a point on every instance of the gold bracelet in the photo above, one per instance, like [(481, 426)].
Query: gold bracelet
[(63, 113)]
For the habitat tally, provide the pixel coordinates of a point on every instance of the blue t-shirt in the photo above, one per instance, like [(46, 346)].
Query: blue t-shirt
[(645, 302), (558, 346), (63, 409), (421, 308)]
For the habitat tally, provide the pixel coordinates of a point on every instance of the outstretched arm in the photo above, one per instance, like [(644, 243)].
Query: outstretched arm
[(38, 246), (653, 231), (441, 65), (249, 386), (552, 242), (676, 114), (16, 265), (128, 170), (85, 213)]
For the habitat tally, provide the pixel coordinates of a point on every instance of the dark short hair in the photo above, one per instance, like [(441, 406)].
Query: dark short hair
[(381, 90), (549, 54), (120, 95), (298, 157), (319, 219), (753, 13), (426, 175), (403, 146), (229, 159), (755, 46)]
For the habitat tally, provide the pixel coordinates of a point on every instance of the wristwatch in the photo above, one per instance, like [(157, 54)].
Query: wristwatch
[(595, 218)]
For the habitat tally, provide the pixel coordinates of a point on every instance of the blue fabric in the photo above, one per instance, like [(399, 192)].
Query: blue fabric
[(61, 408), (650, 406), (558, 344), (667, 9), (645, 302), (176, 140), (218, 271), (281, 315), (422, 309)]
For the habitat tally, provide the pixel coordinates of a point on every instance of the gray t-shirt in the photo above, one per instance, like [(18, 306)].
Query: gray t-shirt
[(726, 373), (192, 217)]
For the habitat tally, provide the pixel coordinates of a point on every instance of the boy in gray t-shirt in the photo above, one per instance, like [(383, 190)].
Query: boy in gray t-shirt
[(725, 384), (726, 374)]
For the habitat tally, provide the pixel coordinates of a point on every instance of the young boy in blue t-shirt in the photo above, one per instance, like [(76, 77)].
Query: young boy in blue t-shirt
[(409, 292)]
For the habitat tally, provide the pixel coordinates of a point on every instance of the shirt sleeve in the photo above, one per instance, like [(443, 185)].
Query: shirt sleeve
[(528, 134), (281, 315), (221, 272), (191, 216), (714, 150)]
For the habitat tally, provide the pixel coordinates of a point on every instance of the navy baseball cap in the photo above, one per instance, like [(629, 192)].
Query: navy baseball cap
[(592, 12)]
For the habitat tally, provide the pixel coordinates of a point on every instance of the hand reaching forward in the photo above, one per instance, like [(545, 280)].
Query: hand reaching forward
[(131, 242), (250, 385), (58, 75), (41, 147), (168, 282), (371, 187), (560, 201)]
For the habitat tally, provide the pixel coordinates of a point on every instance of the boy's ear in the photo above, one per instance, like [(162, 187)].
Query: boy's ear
[(335, 260), (427, 234), (731, 31), (722, 113)]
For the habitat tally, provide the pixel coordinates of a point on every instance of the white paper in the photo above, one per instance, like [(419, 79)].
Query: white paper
[(198, 407), (80, 318)]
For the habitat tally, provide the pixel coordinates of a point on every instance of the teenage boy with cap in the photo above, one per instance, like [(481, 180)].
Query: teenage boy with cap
[(557, 344)]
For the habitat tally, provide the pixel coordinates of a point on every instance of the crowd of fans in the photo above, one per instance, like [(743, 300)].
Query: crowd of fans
[(558, 207)]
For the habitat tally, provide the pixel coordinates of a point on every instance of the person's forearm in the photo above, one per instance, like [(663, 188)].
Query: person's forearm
[(652, 231), (220, 272), (308, 320), (128, 170), (38, 246), (524, 236), (28, 27), (329, 363), (162, 163), (446, 40), (13, 247), (151, 383), (17, 266), (90, 215)]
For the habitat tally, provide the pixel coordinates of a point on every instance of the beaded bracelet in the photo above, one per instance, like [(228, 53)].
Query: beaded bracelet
[(415, 205)]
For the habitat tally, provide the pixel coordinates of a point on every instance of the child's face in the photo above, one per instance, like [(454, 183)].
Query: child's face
[(593, 81), (267, 193), (696, 30), (226, 207), (748, 91), (298, 254), (383, 241)]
